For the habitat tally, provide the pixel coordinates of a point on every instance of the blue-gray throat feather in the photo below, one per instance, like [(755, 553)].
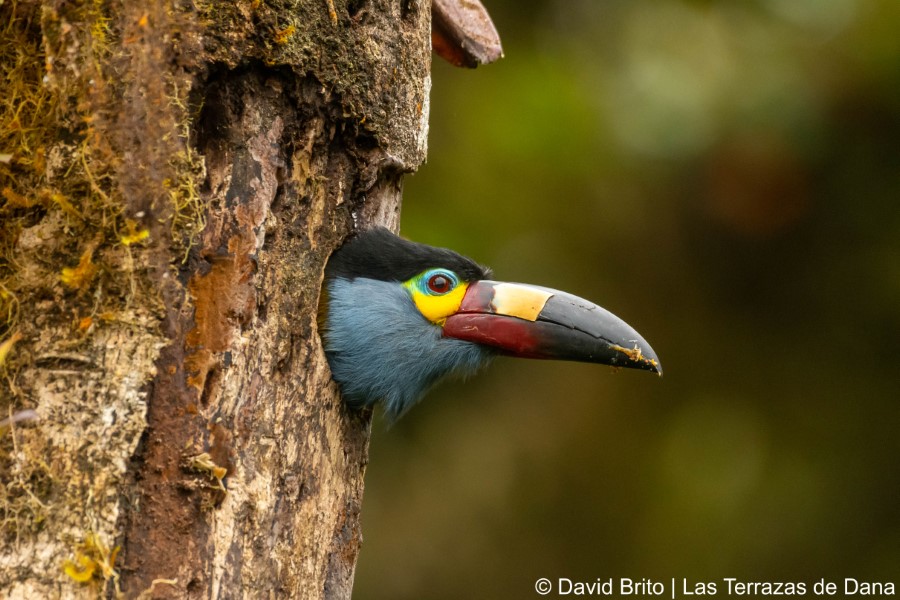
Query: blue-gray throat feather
[(380, 347)]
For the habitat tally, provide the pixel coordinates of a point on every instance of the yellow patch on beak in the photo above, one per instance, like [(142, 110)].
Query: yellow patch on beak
[(438, 308), (524, 302)]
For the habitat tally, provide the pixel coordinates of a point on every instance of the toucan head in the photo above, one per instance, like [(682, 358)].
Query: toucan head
[(398, 316)]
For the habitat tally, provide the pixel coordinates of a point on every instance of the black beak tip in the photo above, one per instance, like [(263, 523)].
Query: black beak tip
[(637, 357)]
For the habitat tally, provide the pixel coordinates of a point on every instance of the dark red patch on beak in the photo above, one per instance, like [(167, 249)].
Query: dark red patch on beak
[(509, 335)]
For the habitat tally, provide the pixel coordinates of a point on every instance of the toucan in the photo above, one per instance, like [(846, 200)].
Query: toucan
[(399, 316)]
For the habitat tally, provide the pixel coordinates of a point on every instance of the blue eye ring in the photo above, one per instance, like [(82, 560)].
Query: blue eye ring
[(438, 282)]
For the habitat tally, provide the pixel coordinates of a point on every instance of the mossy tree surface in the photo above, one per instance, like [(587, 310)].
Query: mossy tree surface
[(174, 176)]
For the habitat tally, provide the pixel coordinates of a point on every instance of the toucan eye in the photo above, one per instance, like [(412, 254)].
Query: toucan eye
[(440, 283)]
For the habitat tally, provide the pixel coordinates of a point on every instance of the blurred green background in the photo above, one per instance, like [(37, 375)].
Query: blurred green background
[(725, 176)]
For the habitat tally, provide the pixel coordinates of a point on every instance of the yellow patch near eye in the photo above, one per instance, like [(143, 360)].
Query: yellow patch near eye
[(437, 308)]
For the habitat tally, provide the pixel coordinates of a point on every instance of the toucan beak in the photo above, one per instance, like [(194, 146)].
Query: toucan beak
[(536, 322)]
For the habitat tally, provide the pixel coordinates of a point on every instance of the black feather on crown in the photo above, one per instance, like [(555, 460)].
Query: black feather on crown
[(379, 254)]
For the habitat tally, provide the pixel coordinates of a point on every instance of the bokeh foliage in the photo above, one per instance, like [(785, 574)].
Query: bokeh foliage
[(725, 176)]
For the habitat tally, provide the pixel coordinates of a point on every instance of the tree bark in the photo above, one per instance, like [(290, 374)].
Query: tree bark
[(175, 176)]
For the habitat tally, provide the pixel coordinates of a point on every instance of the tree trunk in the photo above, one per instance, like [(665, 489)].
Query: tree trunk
[(174, 176)]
